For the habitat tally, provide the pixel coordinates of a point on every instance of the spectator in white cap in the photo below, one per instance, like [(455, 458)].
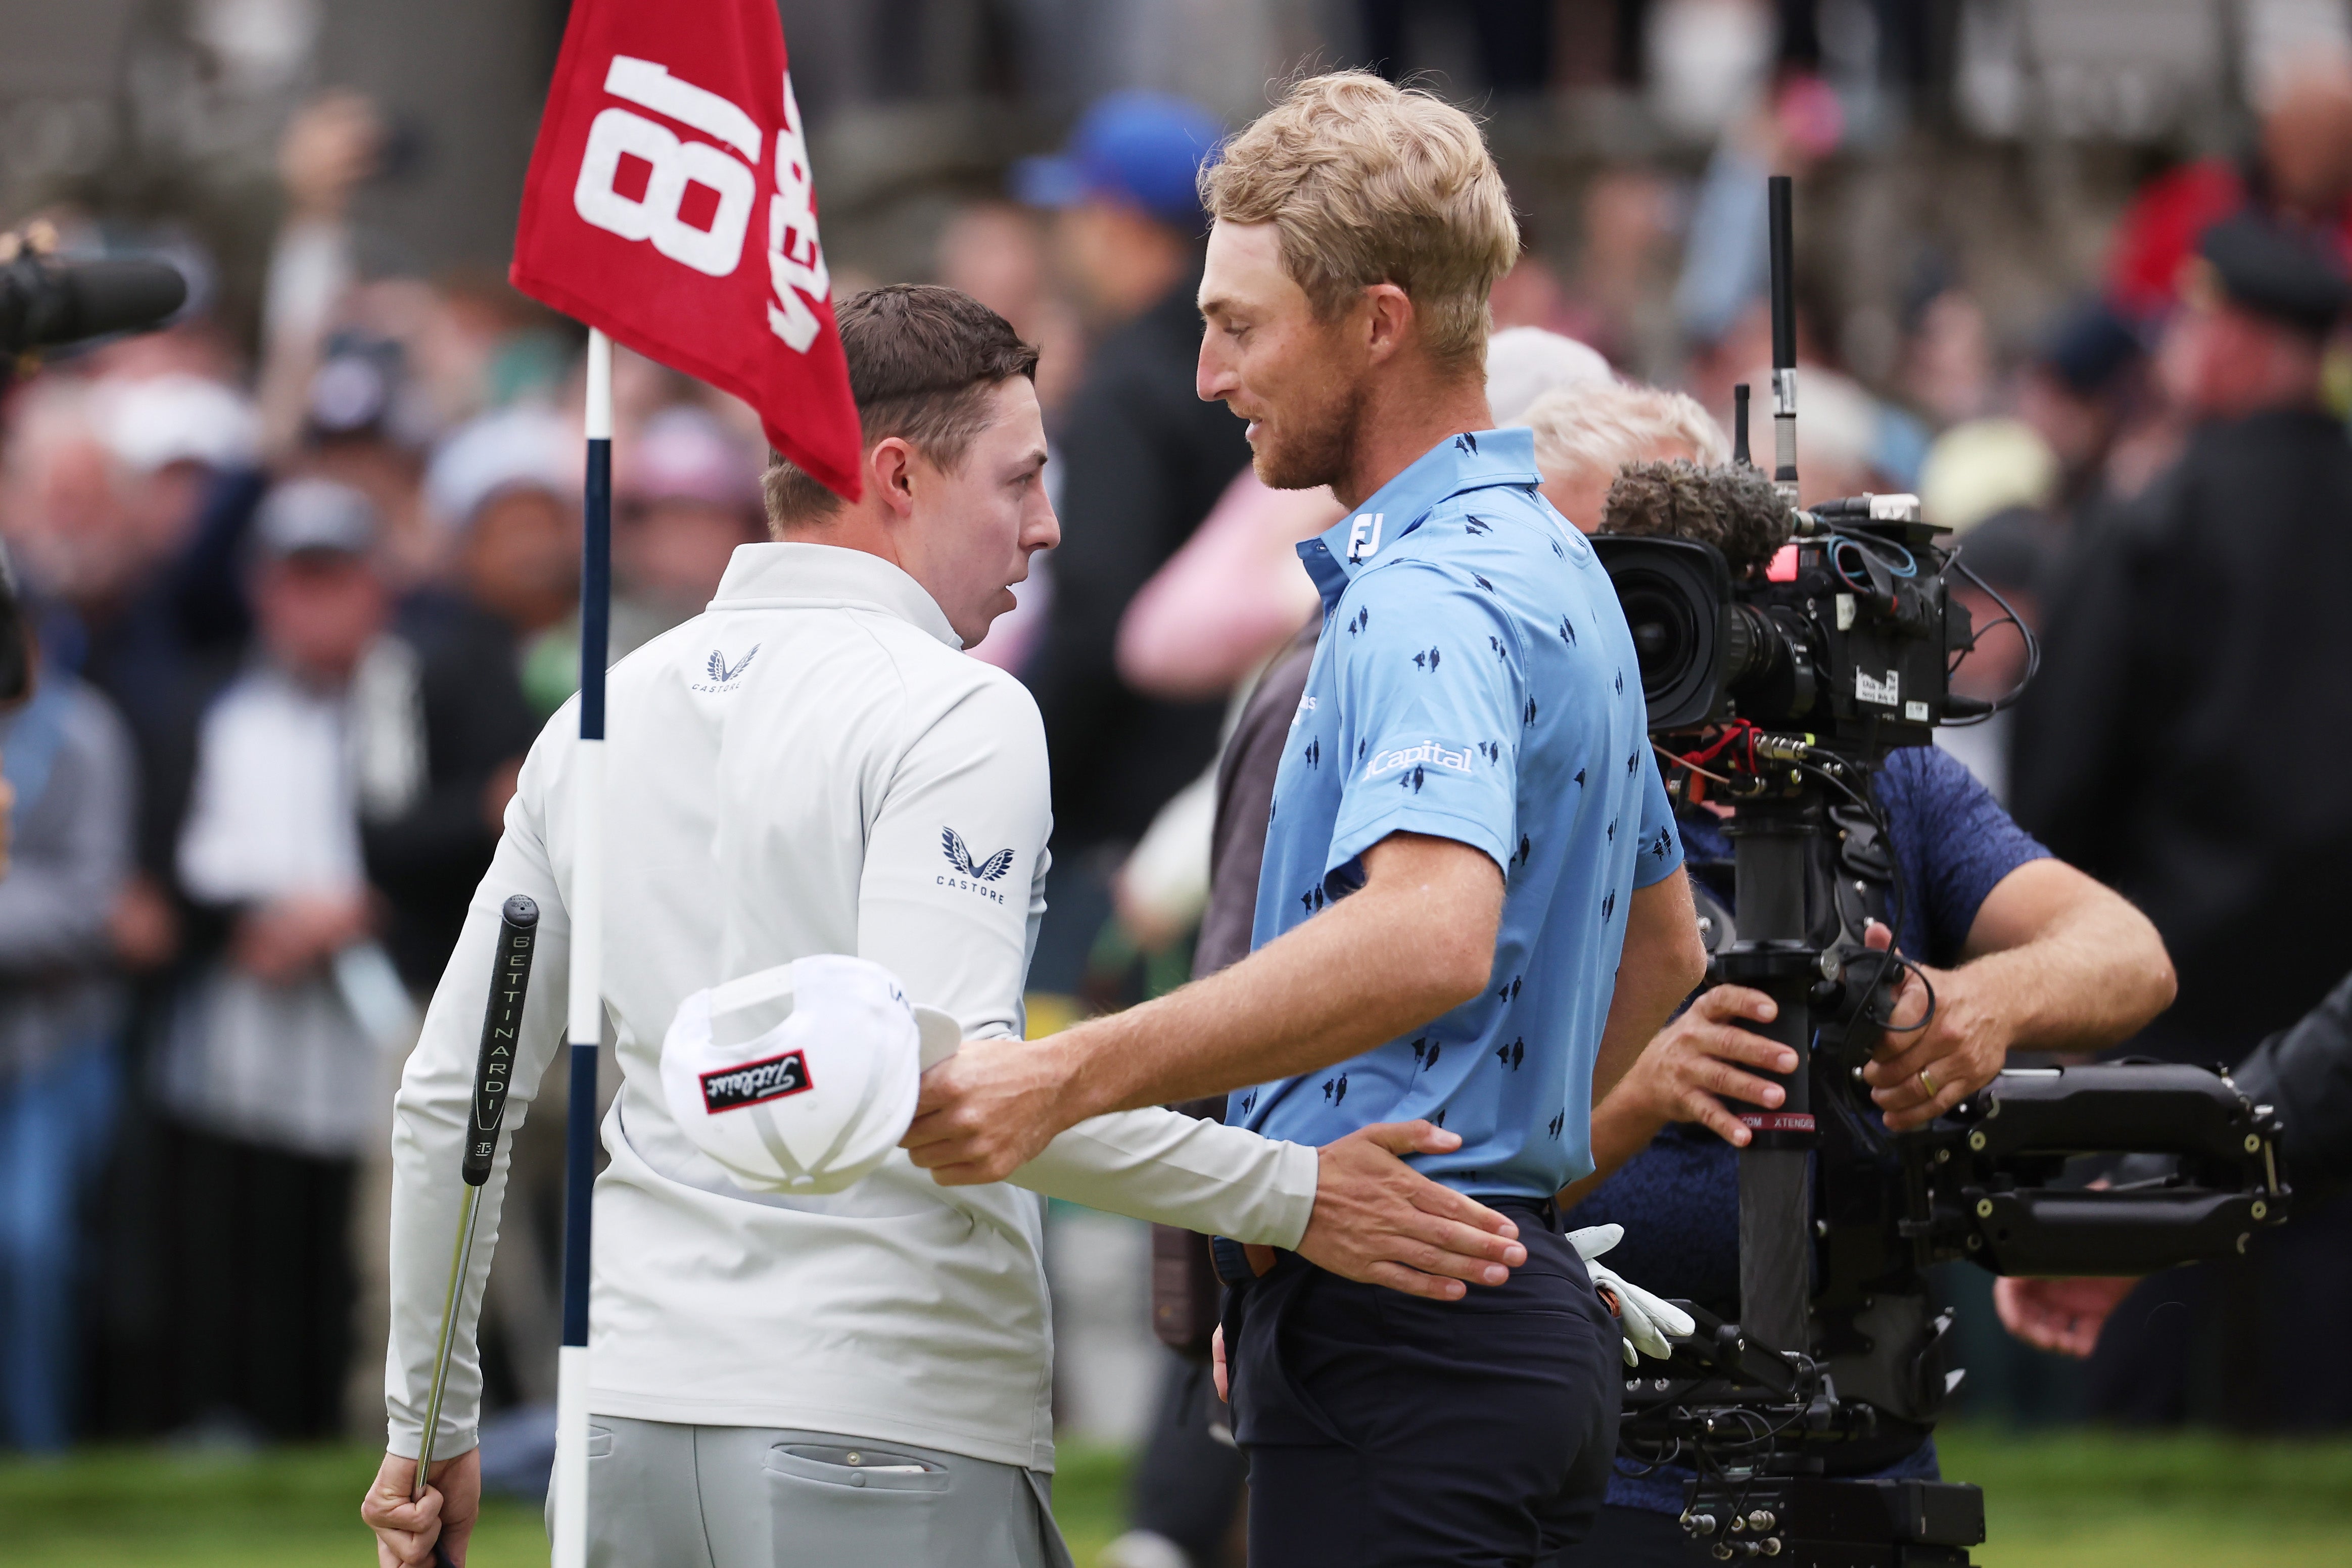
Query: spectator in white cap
[(171, 435), (1585, 435), (507, 487)]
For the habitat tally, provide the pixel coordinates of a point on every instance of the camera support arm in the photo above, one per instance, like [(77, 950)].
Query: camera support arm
[(1773, 845)]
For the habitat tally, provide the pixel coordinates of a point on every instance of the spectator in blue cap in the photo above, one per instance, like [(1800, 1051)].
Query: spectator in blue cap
[(1142, 462)]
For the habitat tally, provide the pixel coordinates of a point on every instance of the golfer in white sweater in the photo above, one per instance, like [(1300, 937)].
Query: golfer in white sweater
[(813, 766)]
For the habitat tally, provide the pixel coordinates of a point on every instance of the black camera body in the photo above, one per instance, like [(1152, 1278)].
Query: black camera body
[(1850, 639)]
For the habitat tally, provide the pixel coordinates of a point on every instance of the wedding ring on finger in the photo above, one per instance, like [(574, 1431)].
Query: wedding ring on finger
[(1928, 1082)]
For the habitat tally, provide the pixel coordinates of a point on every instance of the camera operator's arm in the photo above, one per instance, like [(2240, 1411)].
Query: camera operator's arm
[(1687, 1072), (2053, 960), (2305, 1072)]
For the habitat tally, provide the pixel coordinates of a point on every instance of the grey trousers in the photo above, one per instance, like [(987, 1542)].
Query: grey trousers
[(662, 1495)]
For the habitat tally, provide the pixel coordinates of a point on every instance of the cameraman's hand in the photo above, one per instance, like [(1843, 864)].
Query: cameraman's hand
[(1380, 1221), (1691, 1066), (1917, 1076), (2060, 1315)]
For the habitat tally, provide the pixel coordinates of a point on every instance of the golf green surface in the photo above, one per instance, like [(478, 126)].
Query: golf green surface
[(2075, 1499)]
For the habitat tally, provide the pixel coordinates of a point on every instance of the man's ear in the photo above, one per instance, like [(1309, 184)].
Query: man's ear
[(1388, 319), (889, 474)]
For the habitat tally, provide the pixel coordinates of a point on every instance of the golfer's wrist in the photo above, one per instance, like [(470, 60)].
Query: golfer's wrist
[(1086, 1080)]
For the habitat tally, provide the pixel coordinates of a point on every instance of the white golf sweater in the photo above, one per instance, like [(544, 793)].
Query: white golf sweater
[(808, 766)]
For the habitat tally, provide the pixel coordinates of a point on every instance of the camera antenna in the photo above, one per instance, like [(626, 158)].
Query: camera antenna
[(1784, 342), (1739, 458)]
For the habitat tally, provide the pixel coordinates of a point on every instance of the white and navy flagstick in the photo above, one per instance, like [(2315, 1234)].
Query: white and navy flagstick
[(587, 1006)]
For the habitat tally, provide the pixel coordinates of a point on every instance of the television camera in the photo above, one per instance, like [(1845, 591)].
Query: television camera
[(1779, 688)]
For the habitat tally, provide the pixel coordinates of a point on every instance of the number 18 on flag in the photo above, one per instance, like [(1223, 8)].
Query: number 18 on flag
[(670, 205)]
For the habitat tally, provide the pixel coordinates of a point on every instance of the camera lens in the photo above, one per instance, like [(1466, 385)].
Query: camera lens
[(1672, 592), (1666, 633), (1752, 645)]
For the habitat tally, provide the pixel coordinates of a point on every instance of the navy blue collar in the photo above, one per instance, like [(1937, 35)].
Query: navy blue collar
[(1474, 460)]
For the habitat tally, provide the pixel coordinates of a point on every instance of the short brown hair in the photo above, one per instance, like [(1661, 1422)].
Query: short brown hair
[(922, 361), (1369, 183)]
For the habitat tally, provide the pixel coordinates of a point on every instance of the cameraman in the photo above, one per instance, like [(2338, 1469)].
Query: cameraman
[(2023, 951)]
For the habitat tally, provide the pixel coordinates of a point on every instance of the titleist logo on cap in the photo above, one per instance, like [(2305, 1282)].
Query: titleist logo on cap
[(753, 1082)]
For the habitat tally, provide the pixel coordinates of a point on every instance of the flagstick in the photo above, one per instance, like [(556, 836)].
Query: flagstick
[(587, 1007)]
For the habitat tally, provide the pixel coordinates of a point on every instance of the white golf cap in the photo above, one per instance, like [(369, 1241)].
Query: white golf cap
[(802, 1078)]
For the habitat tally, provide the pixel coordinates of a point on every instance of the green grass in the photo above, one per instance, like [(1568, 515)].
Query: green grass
[(2064, 1499), (2095, 1500)]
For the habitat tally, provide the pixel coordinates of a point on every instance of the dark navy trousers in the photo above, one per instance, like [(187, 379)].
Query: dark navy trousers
[(1383, 1430)]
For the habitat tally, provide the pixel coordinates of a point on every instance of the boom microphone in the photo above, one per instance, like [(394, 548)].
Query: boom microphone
[(1777, 192), (45, 302), (1734, 508)]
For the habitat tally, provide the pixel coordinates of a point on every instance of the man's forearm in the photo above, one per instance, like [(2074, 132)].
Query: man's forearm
[(1328, 990), (1416, 941), (2094, 973)]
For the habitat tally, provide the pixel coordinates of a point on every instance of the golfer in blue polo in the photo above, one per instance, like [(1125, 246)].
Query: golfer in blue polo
[(1472, 910)]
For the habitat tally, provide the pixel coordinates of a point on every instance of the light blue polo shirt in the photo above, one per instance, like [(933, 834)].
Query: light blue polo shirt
[(1474, 681)]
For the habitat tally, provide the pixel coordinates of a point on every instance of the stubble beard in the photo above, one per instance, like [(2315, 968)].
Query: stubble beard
[(1321, 448)]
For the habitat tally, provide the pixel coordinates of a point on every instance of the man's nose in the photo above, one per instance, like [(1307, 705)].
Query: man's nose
[(1212, 380)]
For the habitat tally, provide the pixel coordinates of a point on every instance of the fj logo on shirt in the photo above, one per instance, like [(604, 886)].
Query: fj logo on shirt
[(755, 1082), (1428, 752), (1364, 534), (724, 676), (972, 874)]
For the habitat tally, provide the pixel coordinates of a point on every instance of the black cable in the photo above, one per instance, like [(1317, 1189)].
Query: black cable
[(1889, 958), (2009, 616)]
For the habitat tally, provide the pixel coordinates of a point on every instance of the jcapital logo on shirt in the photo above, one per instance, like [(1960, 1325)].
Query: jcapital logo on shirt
[(1428, 752), (1364, 534)]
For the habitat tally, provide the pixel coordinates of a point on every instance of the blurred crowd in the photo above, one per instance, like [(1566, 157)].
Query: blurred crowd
[(301, 610), (304, 602)]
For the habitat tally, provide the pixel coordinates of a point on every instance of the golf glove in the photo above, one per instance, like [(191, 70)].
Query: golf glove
[(1648, 1320)]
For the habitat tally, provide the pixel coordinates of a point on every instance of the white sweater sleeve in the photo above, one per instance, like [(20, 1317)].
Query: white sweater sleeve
[(430, 1115), (950, 856), (1202, 1176)]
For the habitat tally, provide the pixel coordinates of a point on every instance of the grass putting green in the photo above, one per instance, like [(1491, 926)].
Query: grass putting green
[(2056, 1500)]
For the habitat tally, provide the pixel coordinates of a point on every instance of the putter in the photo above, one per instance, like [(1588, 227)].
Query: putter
[(493, 1071)]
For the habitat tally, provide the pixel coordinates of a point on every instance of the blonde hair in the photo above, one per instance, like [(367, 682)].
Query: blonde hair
[(1369, 182), (1603, 428)]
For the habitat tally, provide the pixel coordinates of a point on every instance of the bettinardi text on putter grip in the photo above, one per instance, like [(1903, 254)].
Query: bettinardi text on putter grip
[(493, 1076), (502, 1025)]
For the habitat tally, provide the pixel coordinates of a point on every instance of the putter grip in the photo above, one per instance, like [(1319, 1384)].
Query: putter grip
[(502, 1025)]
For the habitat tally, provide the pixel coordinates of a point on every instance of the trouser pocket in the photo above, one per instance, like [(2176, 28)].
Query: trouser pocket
[(830, 1505)]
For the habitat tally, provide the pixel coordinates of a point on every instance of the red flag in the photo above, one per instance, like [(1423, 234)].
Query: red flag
[(670, 203)]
